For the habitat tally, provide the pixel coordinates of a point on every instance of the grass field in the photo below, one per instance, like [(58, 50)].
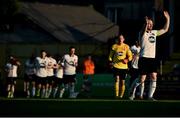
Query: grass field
[(88, 108), (102, 103)]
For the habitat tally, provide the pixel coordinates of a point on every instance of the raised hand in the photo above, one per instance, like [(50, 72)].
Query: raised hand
[(146, 19), (166, 14)]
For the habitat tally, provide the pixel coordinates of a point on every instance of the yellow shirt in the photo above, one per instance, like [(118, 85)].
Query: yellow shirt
[(118, 53)]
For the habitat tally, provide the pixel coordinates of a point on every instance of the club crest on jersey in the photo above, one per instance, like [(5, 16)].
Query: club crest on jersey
[(151, 39)]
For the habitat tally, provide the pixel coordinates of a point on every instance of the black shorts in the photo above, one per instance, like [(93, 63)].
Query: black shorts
[(69, 78), (50, 79), (147, 65), (134, 73), (120, 72), (58, 81), (41, 80), (29, 78), (11, 80)]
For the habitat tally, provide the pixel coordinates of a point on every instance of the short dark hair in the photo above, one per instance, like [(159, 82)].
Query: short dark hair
[(43, 51), (71, 47)]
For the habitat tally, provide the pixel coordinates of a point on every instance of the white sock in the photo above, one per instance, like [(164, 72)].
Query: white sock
[(46, 92), (28, 93), (61, 93), (152, 88), (9, 94), (133, 85), (72, 89), (134, 89), (33, 91), (12, 91), (43, 93), (142, 89), (55, 91), (66, 87), (49, 92)]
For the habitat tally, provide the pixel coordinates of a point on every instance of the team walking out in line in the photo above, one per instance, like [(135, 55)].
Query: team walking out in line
[(44, 77)]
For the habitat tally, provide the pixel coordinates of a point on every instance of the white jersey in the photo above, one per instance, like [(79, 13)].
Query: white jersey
[(41, 67), (30, 68), (59, 71), (148, 44), (70, 63), (50, 69), (135, 51), (11, 70)]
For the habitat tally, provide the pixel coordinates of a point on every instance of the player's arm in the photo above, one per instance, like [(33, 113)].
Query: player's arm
[(61, 61), (37, 64), (128, 56), (55, 65), (166, 26), (6, 68), (18, 63), (110, 59), (93, 65), (144, 28), (60, 64), (75, 62)]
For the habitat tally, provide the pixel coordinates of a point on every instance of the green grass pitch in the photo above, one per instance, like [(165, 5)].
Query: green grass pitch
[(88, 108)]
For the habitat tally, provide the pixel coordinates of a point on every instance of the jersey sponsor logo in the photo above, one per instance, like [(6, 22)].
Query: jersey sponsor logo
[(119, 53)]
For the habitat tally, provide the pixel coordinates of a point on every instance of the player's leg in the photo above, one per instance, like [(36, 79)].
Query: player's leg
[(141, 90), (39, 85), (26, 78), (62, 90), (28, 89), (135, 85), (143, 70), (123, 76), (55, 87), (13, 87), (51, 81), (122, 88), (91, 77), (85, 79), (33, 91), (153, 79), (25, 86), (43, 92), (8, 90), (116, 86), (46, 87), (72, 81), (65, 80), (12, 91), (71, 89)]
